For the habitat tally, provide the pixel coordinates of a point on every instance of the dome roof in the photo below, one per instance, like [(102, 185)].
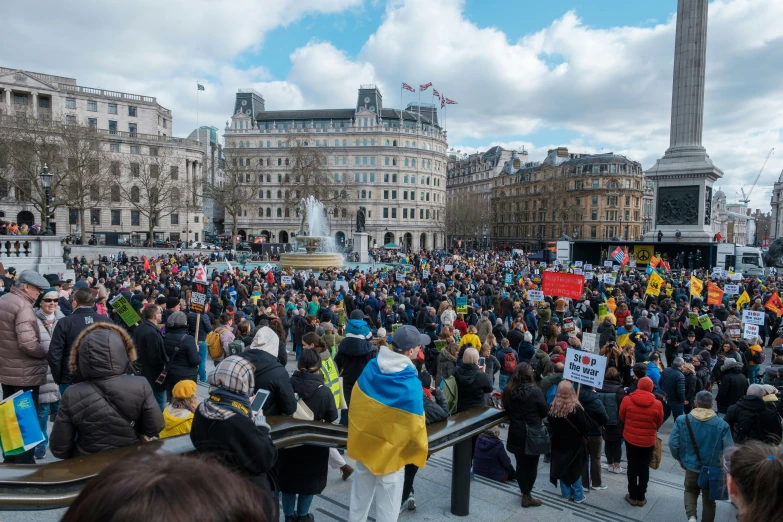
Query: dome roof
[(720, 194)]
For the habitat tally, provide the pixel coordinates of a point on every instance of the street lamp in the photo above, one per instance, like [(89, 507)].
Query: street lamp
[(46, 183)]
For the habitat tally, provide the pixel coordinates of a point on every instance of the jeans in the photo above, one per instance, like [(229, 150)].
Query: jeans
[(43, 420), (692, 491), (674, 409), (638, 469), (574, 490), (202, 366), (754, 372), (592, 466), (656, 338), (26, 457), (386, 489), (527, 472), (298, 349), (292, 507), (502, 381), (160, 398), (509, 318), (614, 451)]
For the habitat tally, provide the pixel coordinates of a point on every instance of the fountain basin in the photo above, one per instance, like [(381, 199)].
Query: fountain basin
[(304, 261)]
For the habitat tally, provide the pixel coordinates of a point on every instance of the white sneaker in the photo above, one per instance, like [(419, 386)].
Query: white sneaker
[(692, 519)]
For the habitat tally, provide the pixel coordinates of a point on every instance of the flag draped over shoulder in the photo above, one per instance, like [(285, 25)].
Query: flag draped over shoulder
[(20, 430), (386, 426)]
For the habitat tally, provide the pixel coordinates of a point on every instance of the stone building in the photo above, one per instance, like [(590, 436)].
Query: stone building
[(776, 219), (134, 130), (733, 221), (214, 176), (582, 196), (390, 161), (469, 181)]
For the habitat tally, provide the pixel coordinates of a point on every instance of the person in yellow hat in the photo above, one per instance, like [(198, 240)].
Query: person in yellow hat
[(179, 414)]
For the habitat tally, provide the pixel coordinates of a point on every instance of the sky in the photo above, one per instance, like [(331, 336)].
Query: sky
[(591, 75)]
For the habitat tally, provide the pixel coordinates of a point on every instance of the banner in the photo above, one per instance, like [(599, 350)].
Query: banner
[(509, 279), (563, 285), (696, 286), (774, 304), (462, 305), (643, 253), (585, 368), (714, 294), (731, 289), (654, 284)]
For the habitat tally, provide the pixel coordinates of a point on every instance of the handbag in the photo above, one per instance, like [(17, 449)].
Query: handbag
[(303, 411), (537, 440), (655, 460), (343, 400), (711, 478)]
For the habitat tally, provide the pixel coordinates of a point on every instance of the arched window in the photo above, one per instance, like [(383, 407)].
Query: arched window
[(364, 194), (260, 212), (279, 162), (394, 162), (364, 143), (279, 194), (336, 143), (386, 143), (336, 177), (287, 194), (247, 144), (406, 162), (260, 194), (394, 178), (260, 144), (357, 142), (345, 143), (407, 143), (372, 142), (317, 143), (344, 213), (413, 163), (287, 178), (386, 160), (134, 195), (287, 162), (414, 144), (268, 144), (241, 144), (279, 143), (279, 178), (279, 212), (268, 194), (405, 178), (394, 143)]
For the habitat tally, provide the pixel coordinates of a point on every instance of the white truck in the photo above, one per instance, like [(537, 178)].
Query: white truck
[(744, 259)]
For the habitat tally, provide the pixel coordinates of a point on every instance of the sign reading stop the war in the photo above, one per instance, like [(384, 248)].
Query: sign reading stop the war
[(198, 299), (563, 285), (752, 317), (585, 368)]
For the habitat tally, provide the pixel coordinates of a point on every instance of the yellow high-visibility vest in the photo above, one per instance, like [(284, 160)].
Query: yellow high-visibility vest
[(331, 379)]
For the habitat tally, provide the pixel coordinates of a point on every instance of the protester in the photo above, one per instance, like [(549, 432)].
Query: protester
[(472, 383), (178, 416), (750, 419), (447, 362), (353, 354), (733, 385), (181, 352), (611, 396), (151, 352), (490, 459), (204, 327), (269, 374), (672, 384), (47, 315), (569, 427), (753, 477)]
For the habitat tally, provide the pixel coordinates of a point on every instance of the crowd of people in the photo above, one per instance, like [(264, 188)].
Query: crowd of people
[(450, 332)]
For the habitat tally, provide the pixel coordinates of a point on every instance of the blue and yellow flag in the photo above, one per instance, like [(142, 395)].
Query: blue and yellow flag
[(386, 426), (19, 427)]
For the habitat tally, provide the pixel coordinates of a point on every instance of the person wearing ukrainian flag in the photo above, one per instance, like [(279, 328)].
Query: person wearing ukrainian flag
[(388, 390)]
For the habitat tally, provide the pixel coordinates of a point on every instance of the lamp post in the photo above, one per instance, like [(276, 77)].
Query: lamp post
[(46, 183)]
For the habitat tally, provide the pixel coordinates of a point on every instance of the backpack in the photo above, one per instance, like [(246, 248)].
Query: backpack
[(236, 347), (654, 320), (550, 394), (509, 362), (759, 358), (214, 346), (451, 393)]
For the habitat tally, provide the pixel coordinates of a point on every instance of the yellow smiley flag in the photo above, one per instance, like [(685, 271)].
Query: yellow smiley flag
[(743, 299), (654, 285), (696, 286)]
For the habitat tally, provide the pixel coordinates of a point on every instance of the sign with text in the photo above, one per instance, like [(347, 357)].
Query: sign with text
[(564, 285), (448, 268), (425, 274), (508, 264), (121, 305), (751, 317), (286, 280), (732, 289), (535, 295), (268, 267), (578, 271), (734, 331), (400, 277), (462, 305), (608, 279), (390, 302), (198, 300), (588, 267), (736, 277), (509, 279), (579, 263), (705, 321), (751, 331), (589, 341), (608, 264), (585, 368)]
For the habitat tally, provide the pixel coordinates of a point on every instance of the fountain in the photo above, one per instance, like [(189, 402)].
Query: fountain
[(319, 248)]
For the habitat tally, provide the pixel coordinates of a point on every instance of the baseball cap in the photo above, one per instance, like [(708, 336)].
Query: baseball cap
[(407, 337)]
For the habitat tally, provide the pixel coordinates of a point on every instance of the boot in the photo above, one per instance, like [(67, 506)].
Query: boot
[(529, 501), (347, 471)]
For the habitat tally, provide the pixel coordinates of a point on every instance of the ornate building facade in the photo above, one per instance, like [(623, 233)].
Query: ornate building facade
[(390, 161), (582, 196), (733, 221)]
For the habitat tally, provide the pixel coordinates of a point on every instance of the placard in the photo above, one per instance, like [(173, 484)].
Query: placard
[(578, 263), (751, 331), (589, 341), (508, 264), (201, 274), (542, 263), (705, 321), (535, 295), (287, 280), (198, 302), (585, 368), (390, 302), (588, 267), (568, 324), (734, 331), (121, 305), (608, 264), (608, 279), (616, 268), (563, 285), (578, 271), (509, 279), (632, 264), (268, 267), (462, 305), (736, 277), (773, 271), (440, 344), (400, 277), (425, 274), (448, 268), (751, 317), (395, 326), (693, 319), (731, 289)]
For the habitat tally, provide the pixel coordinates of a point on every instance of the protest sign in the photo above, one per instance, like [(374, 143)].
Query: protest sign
[(535, 295), (734, 331), (693, 319), (201, 274), (448, 268), (462, 305), (124, 309), (736, 277), (588, 267), (589, 341), (578, 271), (608, 279), (286, 280), (509, 279), (585, 368), (198, 301), (508, 264), (654, 285), (568, 324), (425, 274), (608, 264), (751, 317), (268, 267), (400, 276), (578, 263), (751, 331), (390, 302), (395, 326), (563, 285), (732, 289), (705, 321), (440, 344)]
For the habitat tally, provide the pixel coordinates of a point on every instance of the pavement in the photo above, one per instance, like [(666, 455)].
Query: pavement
[(493, 501)]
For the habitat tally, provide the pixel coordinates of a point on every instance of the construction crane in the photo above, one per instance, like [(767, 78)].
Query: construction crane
[(746, 197)]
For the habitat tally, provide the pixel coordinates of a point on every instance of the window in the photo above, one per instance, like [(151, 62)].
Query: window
[(385, 194), (134, 194), (372, 177), (112, 108), (153, 151), (70, 119), (594, 215), (135, 218), (92, 105), (70, 103), (595, 200), (112, 126), (627, 201), (279, 212), (132, 129), (174, 172), (385, 213), (175, 219), (364, 177), (595, 183), (43, 103), (93, 123), (394, 178), (115, 217), (94, 192), (421, 213), (135, 149), (131, 110), (593, 232), (404, 194), (114, 147), (357, 160), (95, 216), (406, 162), (394, 194), (394, 213), (356, 177), (405, 213)]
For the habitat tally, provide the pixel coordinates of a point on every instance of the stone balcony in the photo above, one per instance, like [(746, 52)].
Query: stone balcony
[(44, 254)]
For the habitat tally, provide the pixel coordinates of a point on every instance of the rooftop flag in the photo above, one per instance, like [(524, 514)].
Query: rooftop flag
[(200, 87), (435, 92), (408, 87), (450, 102), (425, 86)]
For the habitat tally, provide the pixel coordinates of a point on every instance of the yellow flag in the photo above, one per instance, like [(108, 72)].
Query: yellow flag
[(696, 286), (743, 299), (624, 339), (654, 285)]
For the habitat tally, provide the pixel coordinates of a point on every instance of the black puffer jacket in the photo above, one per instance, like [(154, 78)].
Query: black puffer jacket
[(150, 352), (435, 409), (96, 415), (733, 386), (353, 354), (271, 375), (472, 384), (64, 339), (184, 364), (527, 407), (751, 419), (594, 409), (606, 332)]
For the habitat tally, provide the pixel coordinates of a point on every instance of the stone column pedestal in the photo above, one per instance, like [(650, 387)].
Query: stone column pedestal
[(361, 244)]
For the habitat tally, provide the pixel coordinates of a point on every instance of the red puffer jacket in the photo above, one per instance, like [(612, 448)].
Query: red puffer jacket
[(642, 415)]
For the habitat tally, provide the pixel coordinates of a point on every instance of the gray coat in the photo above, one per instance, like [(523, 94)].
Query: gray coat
[(49, 392)]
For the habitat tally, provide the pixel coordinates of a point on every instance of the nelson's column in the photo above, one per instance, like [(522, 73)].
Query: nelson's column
[(682, 180)]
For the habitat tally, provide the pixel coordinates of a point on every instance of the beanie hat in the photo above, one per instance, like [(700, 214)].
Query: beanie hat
[(544, 347), (646, 384), (426, 380), (177, 319), (184, 389)]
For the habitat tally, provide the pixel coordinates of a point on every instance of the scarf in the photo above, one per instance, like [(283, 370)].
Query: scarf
[(222, 405), (427, 392)]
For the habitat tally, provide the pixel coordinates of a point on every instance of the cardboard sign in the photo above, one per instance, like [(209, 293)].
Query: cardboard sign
[(585, 368), (608, 279), (736, 277), (615, 268), (287, 280), (589, 341), (693, 319), (705, 321), (268, 267), (734, 331), (448, 268), (390, 302), (608, 264), (425, 274), (751, 331), (563, 285), (732, 289), (579, 263), (395, 326), (121, 305), (400, 277), (535, 295), (198, 302), (588, 267), (201, 274), (568, 324), (751, 317), (462, 305), (509, 279), (578, 271)]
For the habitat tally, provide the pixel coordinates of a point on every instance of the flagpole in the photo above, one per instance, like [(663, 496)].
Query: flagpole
[(198, 137)]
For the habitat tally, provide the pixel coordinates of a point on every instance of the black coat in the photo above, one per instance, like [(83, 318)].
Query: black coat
[(204, 327), (184, 364), (751, 419), (150, 352), (303, 469), (594, 409), (472, 384), (271, 375), (611, 396), (353, 354), (733, 386), (435, 409), (527, 407), (515, 338), (569, 451), (63, 337)]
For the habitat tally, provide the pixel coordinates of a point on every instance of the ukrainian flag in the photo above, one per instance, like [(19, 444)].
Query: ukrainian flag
[(19, 427), (386, 426)]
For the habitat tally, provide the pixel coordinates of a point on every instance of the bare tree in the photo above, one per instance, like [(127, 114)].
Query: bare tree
[(467, 218), (237, 192), (153, 186)]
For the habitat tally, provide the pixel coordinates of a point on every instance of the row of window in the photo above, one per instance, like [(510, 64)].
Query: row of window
[(544, 232), (92, 106), (115, 217), (281, 144), (424, 213)]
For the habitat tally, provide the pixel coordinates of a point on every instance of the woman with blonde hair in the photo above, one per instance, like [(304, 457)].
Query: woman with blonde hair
[(569, 427), (471, 338), (178, 415)]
